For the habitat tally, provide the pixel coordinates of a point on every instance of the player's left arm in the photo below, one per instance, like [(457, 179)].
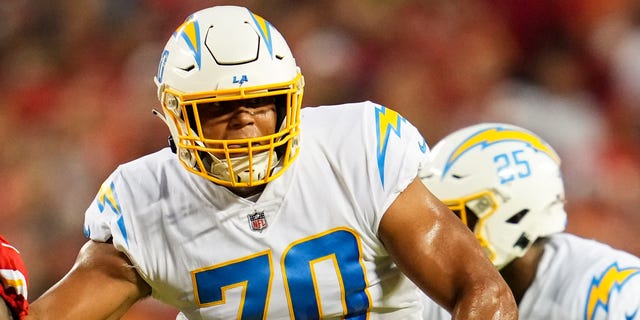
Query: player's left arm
[(437, 252)]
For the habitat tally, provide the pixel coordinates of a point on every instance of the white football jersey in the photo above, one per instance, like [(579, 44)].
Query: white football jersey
[(307, 248), (577, 279)]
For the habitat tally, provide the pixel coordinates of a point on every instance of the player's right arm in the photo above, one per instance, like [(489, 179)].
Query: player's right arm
[(438, 253), (102, 284)]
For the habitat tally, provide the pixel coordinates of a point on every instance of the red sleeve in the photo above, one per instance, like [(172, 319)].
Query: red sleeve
[(13, 275)]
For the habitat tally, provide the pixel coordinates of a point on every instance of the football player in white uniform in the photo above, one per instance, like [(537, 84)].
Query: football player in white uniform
[(265, 210), (505, 183)]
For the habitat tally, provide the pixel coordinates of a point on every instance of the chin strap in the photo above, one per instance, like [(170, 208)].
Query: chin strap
[(241, 166)]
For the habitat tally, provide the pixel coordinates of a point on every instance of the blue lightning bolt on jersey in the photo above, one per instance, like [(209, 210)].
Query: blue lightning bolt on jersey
[(577, 279)]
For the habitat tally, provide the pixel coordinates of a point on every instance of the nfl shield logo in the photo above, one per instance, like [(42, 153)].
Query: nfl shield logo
[(257, 221)]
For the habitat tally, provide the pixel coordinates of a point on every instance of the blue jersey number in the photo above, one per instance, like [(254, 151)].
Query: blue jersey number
[(254, 274), (512, 166)]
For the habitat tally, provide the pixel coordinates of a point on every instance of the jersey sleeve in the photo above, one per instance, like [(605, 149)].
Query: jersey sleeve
[(105, 211), (127, 210), (399, 152), (115, 214), (120, 210), (394, 151)]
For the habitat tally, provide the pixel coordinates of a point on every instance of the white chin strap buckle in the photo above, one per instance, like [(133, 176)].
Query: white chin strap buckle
[(241, 168)]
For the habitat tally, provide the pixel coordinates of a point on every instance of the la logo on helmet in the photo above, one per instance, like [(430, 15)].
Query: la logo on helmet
[(243, 79)]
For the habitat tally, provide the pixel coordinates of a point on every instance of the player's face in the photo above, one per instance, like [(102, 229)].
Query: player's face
[(239, 119)]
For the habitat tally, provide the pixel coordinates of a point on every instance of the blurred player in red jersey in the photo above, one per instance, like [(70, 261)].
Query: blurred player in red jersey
[(13, 275)]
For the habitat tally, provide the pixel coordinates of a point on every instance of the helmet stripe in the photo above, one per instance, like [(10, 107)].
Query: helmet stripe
[(265, 31), (190, 33)]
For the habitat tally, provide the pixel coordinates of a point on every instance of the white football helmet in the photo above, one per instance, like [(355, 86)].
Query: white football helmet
[(503, 181), (229, 53)]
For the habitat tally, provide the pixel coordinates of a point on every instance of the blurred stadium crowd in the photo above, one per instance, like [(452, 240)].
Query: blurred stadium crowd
[(77, 82)]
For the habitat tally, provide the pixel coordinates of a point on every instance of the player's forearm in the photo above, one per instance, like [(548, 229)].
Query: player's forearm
[(489, 300), (61, 304), (101, 285)]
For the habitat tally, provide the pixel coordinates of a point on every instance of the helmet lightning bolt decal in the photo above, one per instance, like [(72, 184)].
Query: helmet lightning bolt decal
[(487, 137), (107, 197), (387, 121), (189, 30), (265, 31), (613, 278)]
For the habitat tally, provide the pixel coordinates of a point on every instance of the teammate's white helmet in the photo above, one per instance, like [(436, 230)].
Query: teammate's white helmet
[(229, 53), (503, 181)]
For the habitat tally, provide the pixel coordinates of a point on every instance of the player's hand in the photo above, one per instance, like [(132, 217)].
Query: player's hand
[(13, 275)]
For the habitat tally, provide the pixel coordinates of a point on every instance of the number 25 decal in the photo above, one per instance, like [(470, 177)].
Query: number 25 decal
[(255, 274), (511, 166)]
